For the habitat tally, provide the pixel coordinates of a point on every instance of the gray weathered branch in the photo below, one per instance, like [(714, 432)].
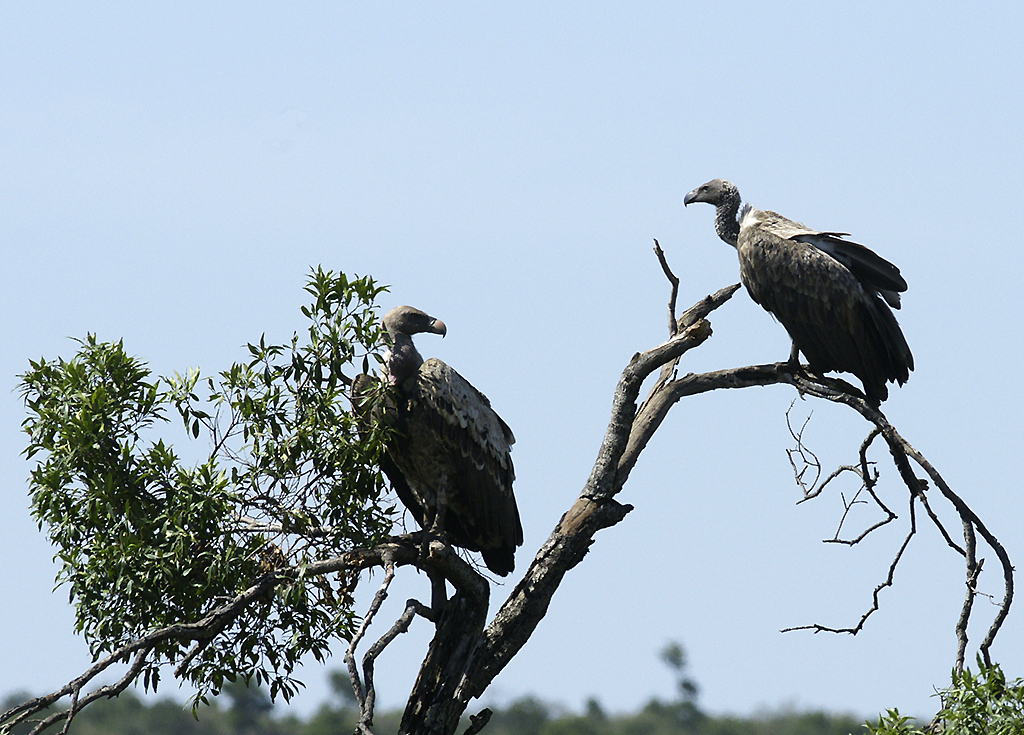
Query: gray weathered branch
[(466, 653)]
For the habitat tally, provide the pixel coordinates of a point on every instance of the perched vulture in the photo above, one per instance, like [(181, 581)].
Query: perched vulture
[(831, 295), (449, 458)]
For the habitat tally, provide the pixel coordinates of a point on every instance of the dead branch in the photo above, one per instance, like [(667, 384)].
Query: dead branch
[(868, 478), (874, 595), (412, 609), (466, 653), (673, 326), (365, 695)]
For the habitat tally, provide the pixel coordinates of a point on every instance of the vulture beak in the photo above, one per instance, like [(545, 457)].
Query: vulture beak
[(437, 327), (690, 198)]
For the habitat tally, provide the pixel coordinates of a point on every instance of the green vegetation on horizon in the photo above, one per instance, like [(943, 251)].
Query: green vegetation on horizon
[(975, 704), (249, 712)]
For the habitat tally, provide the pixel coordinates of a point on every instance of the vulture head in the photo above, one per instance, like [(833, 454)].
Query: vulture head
[(409, 321), (726, 199), (402, 322), (716, 192)]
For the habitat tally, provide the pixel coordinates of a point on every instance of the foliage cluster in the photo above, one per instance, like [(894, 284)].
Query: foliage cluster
[(146, 542), (974, 704)]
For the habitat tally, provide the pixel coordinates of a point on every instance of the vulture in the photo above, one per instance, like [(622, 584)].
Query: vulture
[(448, 457), (832, 295)]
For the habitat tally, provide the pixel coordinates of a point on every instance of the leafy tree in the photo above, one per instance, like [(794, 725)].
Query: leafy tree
[(249, 706), (150, 548), (231, 569), (981, 704), (525, 716), (685, 708)]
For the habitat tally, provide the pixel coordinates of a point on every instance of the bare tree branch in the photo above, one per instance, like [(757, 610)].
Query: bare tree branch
[(365, 696), (673, 326), (808, 459), (466, 652), (78, 703), (868, 478), (874, 595)]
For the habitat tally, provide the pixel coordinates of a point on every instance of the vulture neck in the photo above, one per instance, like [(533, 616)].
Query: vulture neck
[(727, 223), (403, 359)]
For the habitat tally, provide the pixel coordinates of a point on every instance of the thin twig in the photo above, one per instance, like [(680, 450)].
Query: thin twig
[(890, 516), (863, 471), (365, 695), (942, 529), (72, 711), (673, 327), (817, 628), (868, 480), (412, 609), (808, 458)]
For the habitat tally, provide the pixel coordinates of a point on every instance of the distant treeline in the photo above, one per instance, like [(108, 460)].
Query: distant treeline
[(244, 711)]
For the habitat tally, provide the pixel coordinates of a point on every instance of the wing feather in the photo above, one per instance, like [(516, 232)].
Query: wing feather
[(869, 267)]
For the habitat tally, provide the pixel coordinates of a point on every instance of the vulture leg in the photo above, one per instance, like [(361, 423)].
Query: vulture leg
[(428, 533), (438, 593), (793, 363), (440, 506), (435, 529)]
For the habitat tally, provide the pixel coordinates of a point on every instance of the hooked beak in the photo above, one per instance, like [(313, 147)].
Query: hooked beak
[(437, 327)]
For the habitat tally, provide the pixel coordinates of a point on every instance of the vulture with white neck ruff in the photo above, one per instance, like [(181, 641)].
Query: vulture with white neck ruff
[(449, 457), (831, 295)]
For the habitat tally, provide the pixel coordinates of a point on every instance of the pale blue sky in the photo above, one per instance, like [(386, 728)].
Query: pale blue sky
[(169, 175)]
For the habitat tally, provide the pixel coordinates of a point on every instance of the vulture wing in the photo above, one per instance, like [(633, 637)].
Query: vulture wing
[(871, 269), (455, 453), (835, 320), (368, 413)]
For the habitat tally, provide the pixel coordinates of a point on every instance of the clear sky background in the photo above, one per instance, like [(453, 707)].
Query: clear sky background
[(169, 175)]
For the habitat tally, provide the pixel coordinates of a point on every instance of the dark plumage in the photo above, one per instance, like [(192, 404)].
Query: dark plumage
[(831, 295), (449, 459)]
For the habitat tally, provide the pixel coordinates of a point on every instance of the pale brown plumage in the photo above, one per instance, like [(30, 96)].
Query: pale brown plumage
[(449, 459), (831, 295)]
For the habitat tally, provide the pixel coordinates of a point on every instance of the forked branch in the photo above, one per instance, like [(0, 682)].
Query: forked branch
[(466, 653)]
